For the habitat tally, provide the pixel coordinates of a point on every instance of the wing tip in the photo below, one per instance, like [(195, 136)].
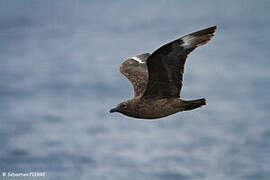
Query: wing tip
[(141, 58), (199, 38)]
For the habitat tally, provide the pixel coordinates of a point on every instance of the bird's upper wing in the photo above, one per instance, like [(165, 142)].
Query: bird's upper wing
[(166, 64), (135, 69)]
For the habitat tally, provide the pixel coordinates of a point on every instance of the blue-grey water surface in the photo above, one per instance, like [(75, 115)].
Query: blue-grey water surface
[(59, 76)]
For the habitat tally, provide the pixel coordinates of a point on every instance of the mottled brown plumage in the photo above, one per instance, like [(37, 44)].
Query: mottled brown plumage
[(136, 72), (157, 79)]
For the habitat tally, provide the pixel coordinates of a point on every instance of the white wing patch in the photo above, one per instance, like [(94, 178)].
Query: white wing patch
[(138, 60), (187, 40)]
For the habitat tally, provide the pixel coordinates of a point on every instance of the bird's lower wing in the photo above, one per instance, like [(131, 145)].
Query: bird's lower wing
[(135, 69)]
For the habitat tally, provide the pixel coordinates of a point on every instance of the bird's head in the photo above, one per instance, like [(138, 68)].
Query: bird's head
[(123, 108)]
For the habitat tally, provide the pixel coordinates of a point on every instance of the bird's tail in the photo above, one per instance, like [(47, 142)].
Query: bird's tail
[(199, 38), (193, 104)]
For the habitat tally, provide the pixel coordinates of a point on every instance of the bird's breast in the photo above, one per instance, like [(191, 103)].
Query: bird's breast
[(151, 109)]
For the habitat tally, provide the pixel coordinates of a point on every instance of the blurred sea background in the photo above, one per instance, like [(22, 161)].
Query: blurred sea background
[(59, 76)]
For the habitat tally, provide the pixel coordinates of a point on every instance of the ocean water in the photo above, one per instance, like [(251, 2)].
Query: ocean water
[(59, 77)]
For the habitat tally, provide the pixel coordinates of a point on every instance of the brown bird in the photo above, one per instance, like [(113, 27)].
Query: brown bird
[(157, 78)]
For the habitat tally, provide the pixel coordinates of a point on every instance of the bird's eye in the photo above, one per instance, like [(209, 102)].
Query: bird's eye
[(124, 106)]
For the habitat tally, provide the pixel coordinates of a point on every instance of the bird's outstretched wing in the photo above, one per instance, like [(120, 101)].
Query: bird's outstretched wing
[(166, 64), (135, 69)]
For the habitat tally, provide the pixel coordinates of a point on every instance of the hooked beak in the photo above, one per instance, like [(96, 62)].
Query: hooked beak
[(113, 110)]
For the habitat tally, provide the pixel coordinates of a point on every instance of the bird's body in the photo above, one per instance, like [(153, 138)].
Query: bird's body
[(157, 78), (158, 108), (154, 108)]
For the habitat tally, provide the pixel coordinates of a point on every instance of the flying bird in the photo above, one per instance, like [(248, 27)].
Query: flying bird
[(157, 78)]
